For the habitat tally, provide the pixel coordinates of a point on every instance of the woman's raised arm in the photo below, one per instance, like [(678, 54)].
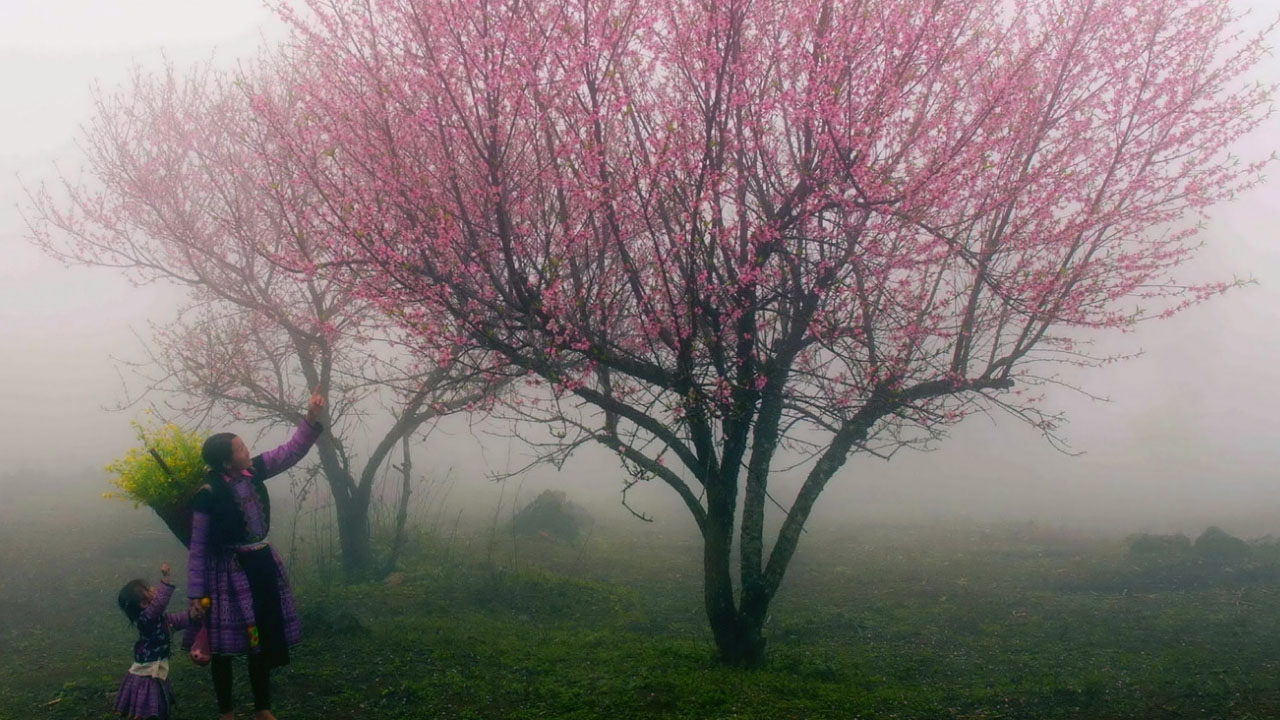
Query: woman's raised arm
[(274, 462)]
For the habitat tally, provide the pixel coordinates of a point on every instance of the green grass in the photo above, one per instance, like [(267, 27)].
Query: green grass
[(888, 623)]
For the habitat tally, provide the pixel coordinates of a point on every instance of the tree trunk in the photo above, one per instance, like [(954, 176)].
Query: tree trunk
[(739, 638), (402, 513), (352, 505), (353, 538)]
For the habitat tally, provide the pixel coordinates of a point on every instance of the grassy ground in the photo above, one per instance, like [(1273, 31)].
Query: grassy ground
[(963, 622)]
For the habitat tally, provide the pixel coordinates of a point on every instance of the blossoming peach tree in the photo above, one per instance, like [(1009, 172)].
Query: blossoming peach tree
[(727, 234)]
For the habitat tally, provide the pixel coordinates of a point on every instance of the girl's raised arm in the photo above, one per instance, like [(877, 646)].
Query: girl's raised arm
[(160, 601)]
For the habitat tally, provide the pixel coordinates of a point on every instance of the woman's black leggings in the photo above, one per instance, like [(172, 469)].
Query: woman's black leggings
[(259, 680)]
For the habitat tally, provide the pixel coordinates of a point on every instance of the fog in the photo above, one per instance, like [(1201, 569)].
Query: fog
[(1186, 439)]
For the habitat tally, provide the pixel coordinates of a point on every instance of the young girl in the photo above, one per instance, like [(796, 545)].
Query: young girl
[(145, 691)]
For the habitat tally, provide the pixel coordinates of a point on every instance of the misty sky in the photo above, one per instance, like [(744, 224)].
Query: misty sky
[(1190, 434)]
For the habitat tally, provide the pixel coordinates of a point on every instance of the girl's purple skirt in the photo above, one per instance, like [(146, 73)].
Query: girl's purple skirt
[(241, 587), (144, 697)]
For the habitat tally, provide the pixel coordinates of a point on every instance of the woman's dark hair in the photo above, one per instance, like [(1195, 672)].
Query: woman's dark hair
[(131, 598), (217, 451)]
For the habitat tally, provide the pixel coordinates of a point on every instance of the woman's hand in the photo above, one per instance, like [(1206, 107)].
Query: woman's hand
[(314, 405), (196, 608), (164, 571)]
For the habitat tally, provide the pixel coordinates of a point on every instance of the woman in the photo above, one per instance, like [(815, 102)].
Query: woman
[(251, 609)]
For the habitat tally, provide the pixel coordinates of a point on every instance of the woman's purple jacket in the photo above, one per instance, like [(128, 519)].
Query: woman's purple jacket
[(244, 490)]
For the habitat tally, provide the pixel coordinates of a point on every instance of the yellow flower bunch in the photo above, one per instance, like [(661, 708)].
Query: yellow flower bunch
[(139, 476)]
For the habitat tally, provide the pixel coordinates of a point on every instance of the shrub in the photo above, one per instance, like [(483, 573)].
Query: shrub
[(551, 514), (1147, 545), (1216, 544)]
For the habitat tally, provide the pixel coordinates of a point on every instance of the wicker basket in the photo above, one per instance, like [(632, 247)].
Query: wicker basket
[(177, 516)]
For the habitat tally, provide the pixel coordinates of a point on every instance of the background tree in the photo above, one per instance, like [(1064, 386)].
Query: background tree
[(188, 189)]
